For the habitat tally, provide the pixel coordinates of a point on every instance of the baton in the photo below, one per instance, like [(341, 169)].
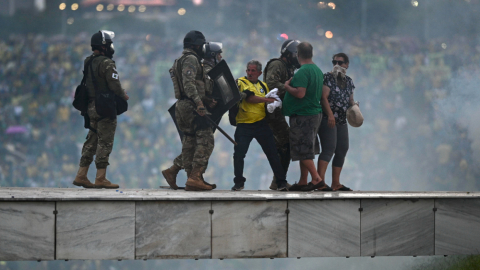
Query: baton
[(217, 127)]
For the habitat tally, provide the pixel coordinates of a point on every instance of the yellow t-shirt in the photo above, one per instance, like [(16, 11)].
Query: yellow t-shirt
[(251, 112)]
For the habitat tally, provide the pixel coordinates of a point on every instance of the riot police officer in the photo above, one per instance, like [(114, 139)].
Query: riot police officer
[(276, 73), (212, 52), (197, 142), (99, 141)]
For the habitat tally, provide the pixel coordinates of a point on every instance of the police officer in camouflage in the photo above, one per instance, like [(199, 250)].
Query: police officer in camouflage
[(276, 73), (99, 141), (212, 52), (190, 111)]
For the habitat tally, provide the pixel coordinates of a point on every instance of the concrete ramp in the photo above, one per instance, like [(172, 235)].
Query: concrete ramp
[(135, 224)]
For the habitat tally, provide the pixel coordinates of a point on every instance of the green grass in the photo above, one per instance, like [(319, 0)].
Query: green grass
[(457, 262)]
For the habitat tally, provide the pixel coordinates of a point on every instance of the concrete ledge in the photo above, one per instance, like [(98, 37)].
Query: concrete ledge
[(81, 194), (127, 224), (27, 231)]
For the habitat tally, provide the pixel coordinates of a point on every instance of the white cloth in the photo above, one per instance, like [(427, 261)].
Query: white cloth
[(277, 103)]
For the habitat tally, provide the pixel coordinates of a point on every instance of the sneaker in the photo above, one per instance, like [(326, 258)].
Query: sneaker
[(283, 186), (237, 187)]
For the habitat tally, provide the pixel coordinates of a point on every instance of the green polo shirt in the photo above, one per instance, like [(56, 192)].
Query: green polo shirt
[(310, 77)]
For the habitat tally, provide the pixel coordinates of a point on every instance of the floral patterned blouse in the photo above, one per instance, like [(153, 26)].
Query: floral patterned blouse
[(339, 99)]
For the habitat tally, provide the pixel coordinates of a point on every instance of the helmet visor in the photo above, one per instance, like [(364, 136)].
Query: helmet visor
[(215, 47), (107, 36)]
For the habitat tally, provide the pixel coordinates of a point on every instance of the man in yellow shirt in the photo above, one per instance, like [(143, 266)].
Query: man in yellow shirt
[(251, 123)]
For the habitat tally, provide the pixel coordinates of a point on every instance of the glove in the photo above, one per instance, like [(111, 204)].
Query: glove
[(201, 110)]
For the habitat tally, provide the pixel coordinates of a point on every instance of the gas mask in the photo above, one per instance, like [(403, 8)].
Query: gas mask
[(107, 40)]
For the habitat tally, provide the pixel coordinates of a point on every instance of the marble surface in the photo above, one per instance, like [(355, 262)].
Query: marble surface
[(95, 230), (457, 226), (81, 194), (27, 231), (173, 230), (397, 227), (324, 228), (249, 229)]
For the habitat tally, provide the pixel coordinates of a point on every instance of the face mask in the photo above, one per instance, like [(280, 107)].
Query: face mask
[(110, 51), (339, 74), (295, 62), (338, 70)]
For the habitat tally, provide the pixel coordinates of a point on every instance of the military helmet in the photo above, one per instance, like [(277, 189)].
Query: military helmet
[(102, 37), (212, 49), (289, 46), (194, 38)]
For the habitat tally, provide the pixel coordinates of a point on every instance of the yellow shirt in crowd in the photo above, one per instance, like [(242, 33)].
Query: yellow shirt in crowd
[(251, 112)]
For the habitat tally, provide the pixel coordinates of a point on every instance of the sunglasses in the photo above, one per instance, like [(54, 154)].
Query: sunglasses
[(334, 62)]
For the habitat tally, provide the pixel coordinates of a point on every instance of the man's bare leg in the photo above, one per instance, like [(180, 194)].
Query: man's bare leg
[(303, 175), (322, 166), (310, 166)]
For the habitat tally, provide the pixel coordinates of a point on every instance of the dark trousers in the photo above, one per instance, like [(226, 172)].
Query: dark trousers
[(244, 134)]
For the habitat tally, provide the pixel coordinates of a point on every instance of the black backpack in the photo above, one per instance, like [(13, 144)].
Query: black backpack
[(107, 103), (80, 101)]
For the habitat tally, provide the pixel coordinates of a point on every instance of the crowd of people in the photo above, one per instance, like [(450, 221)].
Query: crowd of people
[(405, 143)]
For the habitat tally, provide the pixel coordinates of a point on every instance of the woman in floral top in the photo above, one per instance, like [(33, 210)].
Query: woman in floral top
[(337, 97)]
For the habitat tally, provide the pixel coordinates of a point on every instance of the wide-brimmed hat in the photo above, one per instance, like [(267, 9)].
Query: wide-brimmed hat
[(354, 116)]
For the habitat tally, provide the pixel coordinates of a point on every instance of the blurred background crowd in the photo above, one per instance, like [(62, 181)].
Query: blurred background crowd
[(415, 65), (407, 142)]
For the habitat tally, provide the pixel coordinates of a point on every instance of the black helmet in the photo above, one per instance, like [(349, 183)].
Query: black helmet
[(102, 38), (289, 51), (193, 38), (211, 49), (289, 46)]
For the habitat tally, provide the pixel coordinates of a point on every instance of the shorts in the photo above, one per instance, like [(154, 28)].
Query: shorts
[(303, 136)]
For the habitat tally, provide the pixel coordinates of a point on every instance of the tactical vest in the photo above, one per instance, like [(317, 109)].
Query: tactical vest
[(208, 80), (289, 72), (176, 76), (102, 84)]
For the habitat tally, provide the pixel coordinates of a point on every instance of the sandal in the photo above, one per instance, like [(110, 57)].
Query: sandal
[(343, 188)]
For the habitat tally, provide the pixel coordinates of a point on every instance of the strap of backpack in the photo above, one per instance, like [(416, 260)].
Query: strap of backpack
[(94, 81), (93, 76), (85, 71)]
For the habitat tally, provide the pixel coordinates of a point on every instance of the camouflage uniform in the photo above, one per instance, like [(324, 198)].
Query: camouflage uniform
[(100, 144), (207, 66), (198, 142), (276, 73)]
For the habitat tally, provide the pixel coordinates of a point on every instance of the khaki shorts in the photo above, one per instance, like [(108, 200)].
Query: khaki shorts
[(303, 136)]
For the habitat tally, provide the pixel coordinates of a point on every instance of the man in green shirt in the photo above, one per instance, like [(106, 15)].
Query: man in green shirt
[(302, 105)]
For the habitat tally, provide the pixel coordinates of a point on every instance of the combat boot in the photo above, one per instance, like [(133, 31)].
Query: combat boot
[(273, 185), (81, 179), (101, 180), (170, 175), (195, 182), (208, 184)]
